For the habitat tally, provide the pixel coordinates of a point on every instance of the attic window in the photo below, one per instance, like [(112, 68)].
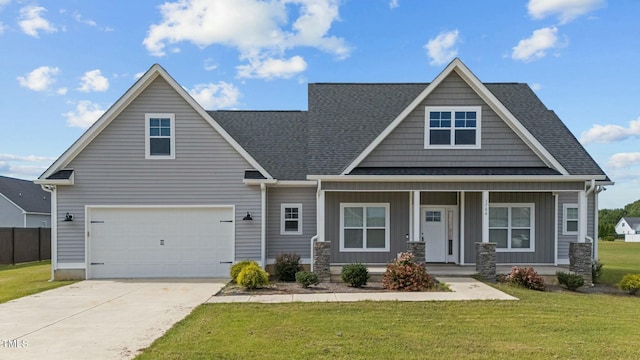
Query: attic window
[(452, 127), (160, 136)]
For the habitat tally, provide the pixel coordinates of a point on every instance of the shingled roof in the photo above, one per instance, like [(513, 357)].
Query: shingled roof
[(27, 195), (344, 118)]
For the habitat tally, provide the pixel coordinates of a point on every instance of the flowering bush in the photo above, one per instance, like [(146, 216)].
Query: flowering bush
[(406, 274), (630, 283), (525, 277)]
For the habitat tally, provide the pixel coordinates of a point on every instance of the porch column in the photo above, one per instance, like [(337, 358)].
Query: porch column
[(582, 216), (320, 212), (417, 236), (485, 216)]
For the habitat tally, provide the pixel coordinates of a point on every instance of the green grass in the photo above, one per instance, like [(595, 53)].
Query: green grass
[(21, 280), (619, 258), (542, 325)]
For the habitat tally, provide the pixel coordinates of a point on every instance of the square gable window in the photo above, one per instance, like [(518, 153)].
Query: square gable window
[(452, 127), (160, 142)]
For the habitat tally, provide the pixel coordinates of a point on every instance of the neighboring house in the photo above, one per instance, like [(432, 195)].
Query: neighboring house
[(630, 228), (160, 187), (23, 204)]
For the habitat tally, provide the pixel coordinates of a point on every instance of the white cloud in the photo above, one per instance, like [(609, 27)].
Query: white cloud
[(605, 134), (565, 10), (536, 46), (536, 87), (441, 48), (623, 160), (272, 68), (394, 4), (215, 96), (78, 17), (4, 2), (39, 79), (257, 29), (31, 21), (28, 158), (85, 114), (62, 91), (2, 28), (210, 65), (93, 81)]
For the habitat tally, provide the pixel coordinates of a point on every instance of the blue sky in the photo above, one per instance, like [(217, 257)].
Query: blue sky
[(64, 62)]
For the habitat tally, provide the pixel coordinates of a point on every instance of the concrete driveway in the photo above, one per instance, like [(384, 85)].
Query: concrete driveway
[(98, 319)]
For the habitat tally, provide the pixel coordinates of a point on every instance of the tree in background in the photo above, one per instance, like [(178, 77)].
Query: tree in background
[(608, 218)]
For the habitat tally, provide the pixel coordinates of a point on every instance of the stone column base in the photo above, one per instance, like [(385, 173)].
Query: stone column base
[(417, 248), (580, 260), (486, 260), (322, 260)]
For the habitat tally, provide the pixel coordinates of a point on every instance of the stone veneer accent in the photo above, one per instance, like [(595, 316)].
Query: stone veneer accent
[(486, 260), (322, 260), (417, 248), (580, 259)]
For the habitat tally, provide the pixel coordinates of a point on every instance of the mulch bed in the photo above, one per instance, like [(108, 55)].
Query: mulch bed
[(288, 288)]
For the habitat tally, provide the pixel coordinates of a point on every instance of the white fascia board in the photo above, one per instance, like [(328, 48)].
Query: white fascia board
[(471, 178), (45, 181), (475, 83), (297, 183), (122, 103), (37, 213), (259, 181)]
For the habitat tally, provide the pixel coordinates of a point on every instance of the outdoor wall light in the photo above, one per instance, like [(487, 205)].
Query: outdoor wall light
[(248, 217), (68, 217)]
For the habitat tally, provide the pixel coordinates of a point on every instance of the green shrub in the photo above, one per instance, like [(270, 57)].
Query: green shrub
[(287, 265), (525, 277), (609, 238), (355, 275), (570, 279), (406, 274), (596, 271), (252, 277), (630, 283), (306, 278), (237, 268)]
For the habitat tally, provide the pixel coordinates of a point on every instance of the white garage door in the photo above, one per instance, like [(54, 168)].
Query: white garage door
[(160, 242)]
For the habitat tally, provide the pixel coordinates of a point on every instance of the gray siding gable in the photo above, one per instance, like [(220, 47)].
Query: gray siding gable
[(112, 170), (500, 146)]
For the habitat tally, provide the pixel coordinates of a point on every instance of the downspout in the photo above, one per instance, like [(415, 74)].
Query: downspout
[(313, 240), (263, 224), (54, 228), (586, 194), (596, 223)]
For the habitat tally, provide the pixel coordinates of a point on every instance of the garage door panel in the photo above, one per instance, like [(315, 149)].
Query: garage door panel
[(161, 242)]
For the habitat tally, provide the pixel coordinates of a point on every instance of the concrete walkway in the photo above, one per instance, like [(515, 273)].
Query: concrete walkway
[(97, 319), (462, 289)]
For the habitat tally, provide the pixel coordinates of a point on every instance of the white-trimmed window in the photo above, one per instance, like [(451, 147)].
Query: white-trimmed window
[(452, 127), (570, 219), (160, 140), (364, 227), (291, 219), (512, 227)]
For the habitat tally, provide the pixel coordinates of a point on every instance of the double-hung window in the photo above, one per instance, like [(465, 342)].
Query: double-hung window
[(290, 219), (511, 226), (160, 141), (452, 127), (570, 219), (364, 227)]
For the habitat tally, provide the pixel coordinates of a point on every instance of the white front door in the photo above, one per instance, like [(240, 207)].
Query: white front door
[(439, 231)]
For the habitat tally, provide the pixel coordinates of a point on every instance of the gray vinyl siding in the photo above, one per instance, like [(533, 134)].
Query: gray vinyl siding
[(544, 227), (299, 244), (112, 170), (453, 186), (10, 215), (565, 240), (500, 146), (439, 198), (399, 225), (35, 221)]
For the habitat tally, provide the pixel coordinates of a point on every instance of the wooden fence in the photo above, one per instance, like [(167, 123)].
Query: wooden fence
[(18, 245)]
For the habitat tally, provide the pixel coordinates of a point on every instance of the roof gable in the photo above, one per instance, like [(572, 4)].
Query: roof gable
[(28, 196), (154, 72), (457, 66)]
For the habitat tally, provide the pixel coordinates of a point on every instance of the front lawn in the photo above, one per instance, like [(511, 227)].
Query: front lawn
[(542, 325), (619, 258), (21, 280)]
